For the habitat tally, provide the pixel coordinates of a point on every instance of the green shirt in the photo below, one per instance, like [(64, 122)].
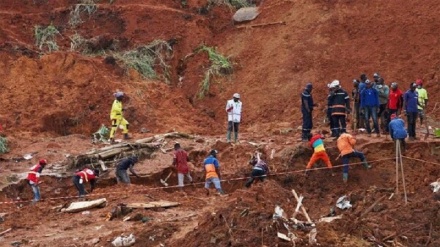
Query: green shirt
[(423, 95)]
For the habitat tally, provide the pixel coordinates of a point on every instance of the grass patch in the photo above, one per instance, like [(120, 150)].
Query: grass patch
[(3, 145), (88, 7), (45, 37), (220, 66), (146, 59)]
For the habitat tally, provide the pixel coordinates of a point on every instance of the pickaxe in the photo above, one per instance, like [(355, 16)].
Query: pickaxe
[(164, 181)]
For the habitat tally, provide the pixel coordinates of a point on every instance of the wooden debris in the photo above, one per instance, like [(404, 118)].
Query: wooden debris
[(372, 206), (283, 236), (263, 24), (330, 219), (75, 207), (156, 204), (5, 231), (302, 207)]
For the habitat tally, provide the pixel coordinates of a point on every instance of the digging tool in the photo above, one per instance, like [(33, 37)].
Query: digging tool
[(164, 181)]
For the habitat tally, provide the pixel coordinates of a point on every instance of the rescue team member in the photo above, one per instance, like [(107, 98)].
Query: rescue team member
[(259, 168), (212, 170), (340, 107), (33, 178), (410, 99), (356, 105), (307, 109), (124, 165), (85, 175), (395, 103), (383, 92), (370, 105), (345, 145), (398, 131), (319, 152), (117, 118), (180, 161), (422, 100), (329, 111), (233, 108)]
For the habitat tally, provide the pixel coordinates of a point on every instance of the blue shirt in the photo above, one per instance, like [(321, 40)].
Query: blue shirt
[(397, 129), (369, 97), (125, 164), (411, 98)]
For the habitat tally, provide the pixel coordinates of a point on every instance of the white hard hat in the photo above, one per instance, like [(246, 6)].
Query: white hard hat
[(334, 84), (236, 95)]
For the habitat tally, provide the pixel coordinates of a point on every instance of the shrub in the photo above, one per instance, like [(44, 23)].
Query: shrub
[(3, 145), (46, 37), (84, 6)]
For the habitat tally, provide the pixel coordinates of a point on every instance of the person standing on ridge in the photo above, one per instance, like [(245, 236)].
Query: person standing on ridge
[(395, 103), (180, 161), (117, 118), (233, 108), (33, 178), (369, 105), (422, 101), (356, 105), (410, 99), (384, 92), (307, 109), (340, 108)]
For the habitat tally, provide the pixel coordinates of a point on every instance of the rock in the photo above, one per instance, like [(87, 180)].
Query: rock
[(95, 241), (213, 240), (124, 241), (246, 14), (16, 243)]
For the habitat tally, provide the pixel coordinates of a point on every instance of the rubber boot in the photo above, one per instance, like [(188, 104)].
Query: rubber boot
[(228, 136), (345, 177), (235, 136), (366, 165), (304, 136)]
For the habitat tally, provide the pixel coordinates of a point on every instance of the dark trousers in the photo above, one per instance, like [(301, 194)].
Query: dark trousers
[(346, 159), (307, 124), (232, 127), (388, 118), (256, 174), (340, 124), (371, 111), (331, 122), (412, 119), (79, 187), (382, 116)]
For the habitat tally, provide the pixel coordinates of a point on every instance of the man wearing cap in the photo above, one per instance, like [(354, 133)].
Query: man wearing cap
[(180, 161), (376, 78), (233, 108), (124, 165), (117, 118), (384, 92), (33, 178), (85, 175), (410, 99), (212, 172), (369, 105), (340, 107), (307, 109), (395, 103), (398, 131), (422, 101)]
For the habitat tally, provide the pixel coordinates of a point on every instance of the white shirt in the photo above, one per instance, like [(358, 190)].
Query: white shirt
[(235, 114)]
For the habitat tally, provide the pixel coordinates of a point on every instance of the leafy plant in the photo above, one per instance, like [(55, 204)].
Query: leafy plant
[(46, 37), (146, 58), (84, 6), (3, 145), (220, 66)]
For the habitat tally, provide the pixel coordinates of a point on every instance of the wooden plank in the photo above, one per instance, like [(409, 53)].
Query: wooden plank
[(75, 207), (155, 204)]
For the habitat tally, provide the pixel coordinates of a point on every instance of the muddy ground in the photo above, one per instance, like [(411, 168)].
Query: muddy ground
[(53, 101)]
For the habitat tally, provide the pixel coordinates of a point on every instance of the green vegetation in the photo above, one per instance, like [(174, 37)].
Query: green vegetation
[(84, 6), (146, 58), (3, 145), (220, 66), (46, 37)]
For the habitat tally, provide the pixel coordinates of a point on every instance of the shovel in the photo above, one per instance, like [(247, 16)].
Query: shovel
[(164, 181)]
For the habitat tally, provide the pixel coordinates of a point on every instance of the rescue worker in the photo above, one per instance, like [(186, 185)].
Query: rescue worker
[(122, 167), (398, 131), (329, 110), (369, 105), (212, 172), (384, 92), (260, 168), (85, 175), (33, 178), (356, 105), (363, 78), (180, 162), (410, 109), (340, 107), (345, 145), (319, 152), (395, 103), (307, 109), (422, 100), (233, 108), (117, 118), (376, 78)]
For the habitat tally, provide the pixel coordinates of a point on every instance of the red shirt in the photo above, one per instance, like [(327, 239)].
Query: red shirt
[(181, 161), (34, 173), (86, 174), (395, 99)]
